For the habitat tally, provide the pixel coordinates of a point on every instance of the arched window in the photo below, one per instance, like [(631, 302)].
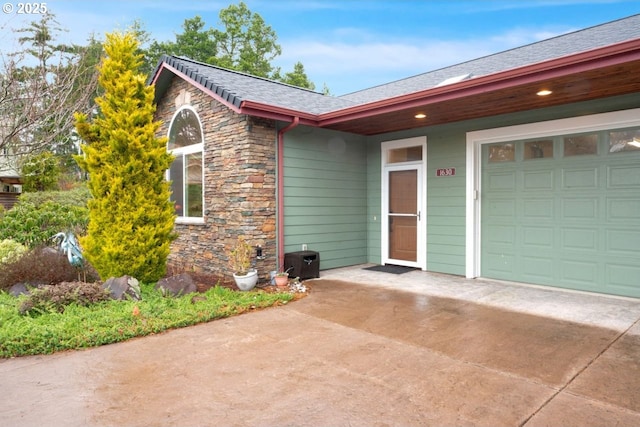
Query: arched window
[(186, 171)]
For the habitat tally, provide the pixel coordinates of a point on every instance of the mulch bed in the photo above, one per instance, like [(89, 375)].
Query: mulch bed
[(205, 281)]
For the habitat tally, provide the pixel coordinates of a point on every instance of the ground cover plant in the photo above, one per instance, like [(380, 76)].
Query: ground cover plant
[(105, 322)]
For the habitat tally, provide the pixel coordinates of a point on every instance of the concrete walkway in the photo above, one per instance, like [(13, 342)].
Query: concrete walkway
[(353, 354)]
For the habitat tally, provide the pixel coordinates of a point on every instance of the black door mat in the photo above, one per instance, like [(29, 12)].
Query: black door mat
[(393, 269)]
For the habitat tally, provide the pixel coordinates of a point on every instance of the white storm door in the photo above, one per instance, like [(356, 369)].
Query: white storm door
[(402, 216)]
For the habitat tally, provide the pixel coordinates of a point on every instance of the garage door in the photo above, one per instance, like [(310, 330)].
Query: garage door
[(564, 211)]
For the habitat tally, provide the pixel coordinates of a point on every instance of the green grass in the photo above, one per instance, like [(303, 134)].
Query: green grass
[(113, 321)]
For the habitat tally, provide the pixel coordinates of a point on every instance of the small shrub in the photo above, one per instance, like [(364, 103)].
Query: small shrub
[(55, 298), (42, 266), (10, 251)]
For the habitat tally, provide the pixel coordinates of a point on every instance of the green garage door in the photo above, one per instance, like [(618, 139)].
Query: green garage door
[(564, 211)]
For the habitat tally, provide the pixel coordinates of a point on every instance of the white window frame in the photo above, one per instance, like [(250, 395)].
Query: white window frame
[(475, 140), (184, 151)]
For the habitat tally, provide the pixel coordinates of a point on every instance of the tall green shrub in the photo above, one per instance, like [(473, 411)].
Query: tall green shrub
[(130, 216)]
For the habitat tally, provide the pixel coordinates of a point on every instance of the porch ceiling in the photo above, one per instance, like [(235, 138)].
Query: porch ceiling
[(611, 74)]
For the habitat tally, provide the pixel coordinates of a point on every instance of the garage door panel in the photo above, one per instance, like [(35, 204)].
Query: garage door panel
[(538, 180), (579, 239), (501, 208), (501, 181), (583, 274), (623, 279), (501, 234), (583, 178), (623, 210), (583, 208), (538, 269), (624, 242), (499, 264), (538, 209), (623, 176), (537, 238)]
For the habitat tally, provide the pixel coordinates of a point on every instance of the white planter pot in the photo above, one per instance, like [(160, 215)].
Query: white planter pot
[(248, 281)]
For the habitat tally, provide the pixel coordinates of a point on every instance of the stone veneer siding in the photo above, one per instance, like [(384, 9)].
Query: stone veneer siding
[(240, 184)]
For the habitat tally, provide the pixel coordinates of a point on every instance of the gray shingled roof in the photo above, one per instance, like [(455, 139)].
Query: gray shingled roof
[(236, 87), (556, 47)]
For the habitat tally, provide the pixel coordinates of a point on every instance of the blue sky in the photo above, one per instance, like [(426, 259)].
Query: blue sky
[(350, 44)]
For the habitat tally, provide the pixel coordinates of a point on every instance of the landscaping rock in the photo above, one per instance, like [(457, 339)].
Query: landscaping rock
[(123, 287), (179, 285), (19, 289)]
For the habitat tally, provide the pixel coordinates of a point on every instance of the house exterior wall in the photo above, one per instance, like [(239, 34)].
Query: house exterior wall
[(326, 195), (446, 196), (239, 184)]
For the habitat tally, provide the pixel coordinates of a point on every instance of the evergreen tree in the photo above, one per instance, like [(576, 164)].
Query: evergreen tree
[(130, 216), (298, 77)]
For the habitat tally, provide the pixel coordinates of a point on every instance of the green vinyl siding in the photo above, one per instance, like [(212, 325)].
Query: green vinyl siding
[(446, 203), (325, 181)]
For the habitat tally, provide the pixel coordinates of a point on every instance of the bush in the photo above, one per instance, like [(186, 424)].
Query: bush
[(41, 266), (55, 298), (40, 172), (78, 196), (10, 251), (34, 225)]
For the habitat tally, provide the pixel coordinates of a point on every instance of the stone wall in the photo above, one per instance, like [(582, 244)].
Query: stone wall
[(240, 186)]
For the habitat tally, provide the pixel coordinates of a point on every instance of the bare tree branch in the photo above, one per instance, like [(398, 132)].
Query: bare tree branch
[(41, 87)]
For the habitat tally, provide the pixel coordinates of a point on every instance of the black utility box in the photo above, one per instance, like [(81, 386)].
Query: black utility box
[(303, 264)]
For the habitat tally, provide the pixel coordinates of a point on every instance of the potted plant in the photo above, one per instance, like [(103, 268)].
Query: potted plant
[(282, 277), (240, 262)]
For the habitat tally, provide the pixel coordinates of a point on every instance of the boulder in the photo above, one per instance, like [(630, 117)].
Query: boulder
[(124, 287), (179, 285), (19, 289)]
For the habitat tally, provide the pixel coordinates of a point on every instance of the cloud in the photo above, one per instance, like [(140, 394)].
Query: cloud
[(351, 59)]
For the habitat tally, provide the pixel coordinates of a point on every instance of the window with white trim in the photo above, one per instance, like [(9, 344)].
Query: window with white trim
[(186, 171)]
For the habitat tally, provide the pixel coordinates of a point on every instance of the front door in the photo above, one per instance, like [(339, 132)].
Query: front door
[(403, 215)]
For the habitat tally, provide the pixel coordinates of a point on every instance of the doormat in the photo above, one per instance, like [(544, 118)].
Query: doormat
[(393, 269)]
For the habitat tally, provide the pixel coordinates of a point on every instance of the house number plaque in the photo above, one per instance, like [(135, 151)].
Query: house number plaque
[(446, 172)]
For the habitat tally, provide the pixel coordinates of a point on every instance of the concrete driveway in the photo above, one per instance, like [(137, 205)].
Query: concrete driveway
[(357, 355)]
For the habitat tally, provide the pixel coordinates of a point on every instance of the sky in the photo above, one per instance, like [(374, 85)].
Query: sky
[(347, 45)]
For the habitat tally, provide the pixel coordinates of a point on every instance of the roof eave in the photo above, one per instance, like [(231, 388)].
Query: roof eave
[(274, 112)]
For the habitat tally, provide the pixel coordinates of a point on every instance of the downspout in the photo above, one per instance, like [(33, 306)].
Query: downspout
[(280, 190)]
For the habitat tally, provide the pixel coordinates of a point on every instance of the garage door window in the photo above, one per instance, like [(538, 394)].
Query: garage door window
[(580, 145), (625, 140), (541, 149), (502, 153)]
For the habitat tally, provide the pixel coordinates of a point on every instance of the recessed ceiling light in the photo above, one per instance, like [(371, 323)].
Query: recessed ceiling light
[(544, 92), (420, 116)]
